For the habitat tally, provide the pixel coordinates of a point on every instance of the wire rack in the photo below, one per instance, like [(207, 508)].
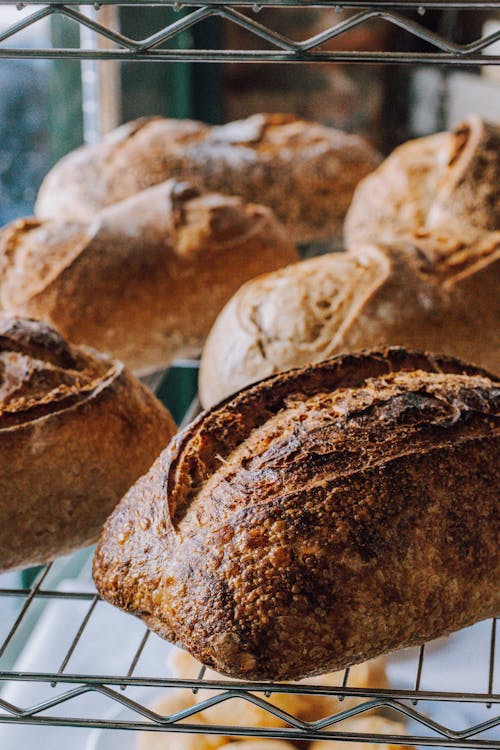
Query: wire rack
[(55, 694), (440, 48), (134, 688), (64, 687)]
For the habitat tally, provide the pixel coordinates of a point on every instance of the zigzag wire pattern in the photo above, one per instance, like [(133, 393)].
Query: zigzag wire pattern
[(284, 48), (269, 708), (309, 729), (294, 728)]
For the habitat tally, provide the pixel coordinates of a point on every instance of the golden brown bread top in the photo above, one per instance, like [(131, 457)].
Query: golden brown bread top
[(140, 270), (33, 254), (283, 136), (435, 292), (469, 188), (447, 184), (130, 158), (306, 172), (41, 374), (177, 215)]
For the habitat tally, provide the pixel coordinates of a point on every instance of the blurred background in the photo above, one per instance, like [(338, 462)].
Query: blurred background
[(48, 107)]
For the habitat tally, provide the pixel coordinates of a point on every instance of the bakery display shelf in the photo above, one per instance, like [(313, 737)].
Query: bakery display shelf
[(66, 686), (61, 687), (107, 43)]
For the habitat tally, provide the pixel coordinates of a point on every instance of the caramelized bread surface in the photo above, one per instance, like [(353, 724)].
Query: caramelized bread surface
[(145, 278), (318, 518), (76, 431)]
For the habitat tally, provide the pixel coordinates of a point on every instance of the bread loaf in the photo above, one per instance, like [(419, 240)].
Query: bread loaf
[(76, 430), (445, 184), (305, 172), (145, 280), (318, 519), (130, 158), (437, 295)]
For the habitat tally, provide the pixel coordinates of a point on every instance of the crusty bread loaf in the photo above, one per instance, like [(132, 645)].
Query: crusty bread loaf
[(146, 279), (305, 172), (444, 184), (436, 295), (318, 519), (76, 430), (130, 158)]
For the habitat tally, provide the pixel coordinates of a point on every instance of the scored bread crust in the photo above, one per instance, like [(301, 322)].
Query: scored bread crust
[(76, 430), (317, 519), (436, 295), (133, 157), (305, 172), (147, 278), (443, 184)]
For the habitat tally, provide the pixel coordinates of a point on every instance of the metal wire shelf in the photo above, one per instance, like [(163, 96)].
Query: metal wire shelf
[(409, 703), (277, 47)]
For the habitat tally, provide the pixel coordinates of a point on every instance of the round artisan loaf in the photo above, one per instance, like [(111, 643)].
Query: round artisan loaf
[(76, 430), (427, 294), (146, 279), (305, 172), (444, 184), (319, 518)]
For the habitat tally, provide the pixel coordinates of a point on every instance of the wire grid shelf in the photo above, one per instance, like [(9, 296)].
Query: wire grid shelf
[(408, 703), (137, 713), (112, 45)]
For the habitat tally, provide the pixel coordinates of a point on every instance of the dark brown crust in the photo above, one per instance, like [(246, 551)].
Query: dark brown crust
[(76, 430), (318, 518)]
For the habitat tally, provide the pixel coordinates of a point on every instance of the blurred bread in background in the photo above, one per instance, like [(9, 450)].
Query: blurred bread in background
[(241, 712), (305, 172), (145, 279)]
